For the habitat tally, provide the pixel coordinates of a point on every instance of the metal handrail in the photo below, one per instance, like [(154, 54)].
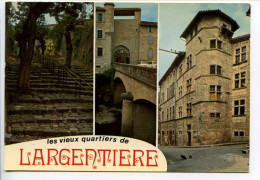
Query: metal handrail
[(64, 72)]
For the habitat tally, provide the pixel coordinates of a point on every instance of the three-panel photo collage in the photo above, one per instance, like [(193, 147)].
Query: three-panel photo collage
[(175, 75)]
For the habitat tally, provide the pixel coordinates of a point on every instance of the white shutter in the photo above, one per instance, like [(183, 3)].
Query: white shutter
[(103, 34)]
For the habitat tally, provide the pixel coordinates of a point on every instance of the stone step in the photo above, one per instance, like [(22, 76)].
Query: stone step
[(51, 118), (47, 99), (57, 108), (57, 90), (18, 138), (53, 85), (54, 81), (50, 77), (54, 76), (51, 130)]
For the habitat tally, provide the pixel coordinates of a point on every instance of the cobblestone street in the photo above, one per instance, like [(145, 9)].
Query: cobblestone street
[(207, 159)]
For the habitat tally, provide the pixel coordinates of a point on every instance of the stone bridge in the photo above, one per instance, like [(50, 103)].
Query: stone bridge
[(135, 93)]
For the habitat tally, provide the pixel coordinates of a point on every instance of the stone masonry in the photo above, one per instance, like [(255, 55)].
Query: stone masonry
[(204, 95)]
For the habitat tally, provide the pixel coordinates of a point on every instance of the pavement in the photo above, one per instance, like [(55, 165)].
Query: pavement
[(217, 158)]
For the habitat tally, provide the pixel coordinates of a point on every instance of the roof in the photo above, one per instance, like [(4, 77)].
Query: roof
[(100, 8), (216, 12), (120, 11), (146, 23), (174, 64), (238, 39), (125, 11)]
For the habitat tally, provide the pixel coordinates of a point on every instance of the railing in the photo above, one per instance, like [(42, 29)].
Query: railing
[(145, 75), (64, 73)]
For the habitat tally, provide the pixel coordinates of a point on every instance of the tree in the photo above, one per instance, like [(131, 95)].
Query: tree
[(68, 16), (10, 32), (26, 41), (42, 33)]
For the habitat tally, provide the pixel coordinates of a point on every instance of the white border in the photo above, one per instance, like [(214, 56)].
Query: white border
[(254, 121)]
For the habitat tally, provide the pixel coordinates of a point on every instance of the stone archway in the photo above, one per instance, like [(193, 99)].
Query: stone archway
[(144, 120), (122, 54), (119, 88)]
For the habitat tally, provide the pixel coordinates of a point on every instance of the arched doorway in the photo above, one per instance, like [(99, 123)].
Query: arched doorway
[(122, 54)]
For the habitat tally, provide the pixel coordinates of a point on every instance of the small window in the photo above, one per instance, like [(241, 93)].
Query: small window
[(100, 51), (189, 109), (99, 34), (240, 55), (240, 80), (239, 107), (213, 43), (100, 17), (215, 92), (150, 29), (219, 44), (215, 69), (241, 133), (212, 115), (150, 39), (236, 133), (150, 53), (212, 69)]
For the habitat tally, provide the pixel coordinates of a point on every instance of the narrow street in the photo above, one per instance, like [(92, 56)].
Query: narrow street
[(207, 159)]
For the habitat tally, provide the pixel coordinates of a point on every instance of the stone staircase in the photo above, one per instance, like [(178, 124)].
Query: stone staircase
[(53, 108)]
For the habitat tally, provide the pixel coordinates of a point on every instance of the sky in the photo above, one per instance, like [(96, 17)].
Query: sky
[(174, 18), (149, 11)]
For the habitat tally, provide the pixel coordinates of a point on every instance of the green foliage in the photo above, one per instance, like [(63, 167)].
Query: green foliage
[(50, 48), (105, 88)]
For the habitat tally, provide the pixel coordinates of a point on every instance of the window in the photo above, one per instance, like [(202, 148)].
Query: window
[(180, 112), (162, 97), (188, 85), (213, 115), (100, 51), (215, 43), (170, 112), (240, 80), (180, 132), (189, 106), (180, 91), (215, 92), (189, 62), (150, 53), (215, 69), (240, 55), (173, 112), (239, 133), (239, 107), (100, 17), (150, 29), (150, 39), (162, 116), (99, 34), (167, 114), (180, 69)]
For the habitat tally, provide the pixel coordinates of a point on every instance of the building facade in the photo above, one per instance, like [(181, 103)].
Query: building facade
[(122, 37), (205, 94)]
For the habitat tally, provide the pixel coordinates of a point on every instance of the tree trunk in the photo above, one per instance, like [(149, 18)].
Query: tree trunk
[(26, 44), (68, 48), (42, 41)]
